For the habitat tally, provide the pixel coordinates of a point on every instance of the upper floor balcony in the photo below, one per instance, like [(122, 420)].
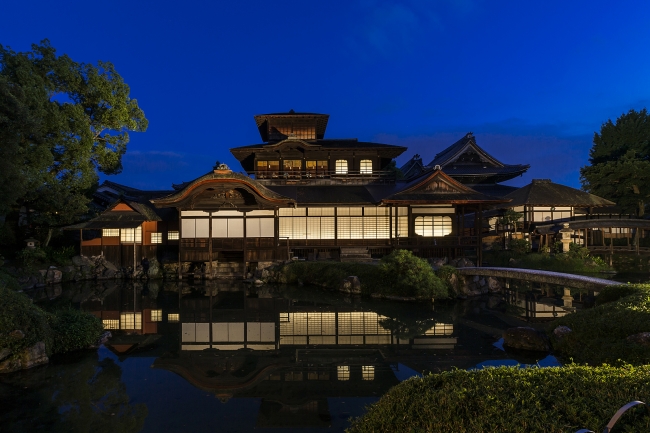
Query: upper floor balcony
[(324, 177)]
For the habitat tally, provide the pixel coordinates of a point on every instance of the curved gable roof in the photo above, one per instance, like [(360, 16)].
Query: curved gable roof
[(543, 192)]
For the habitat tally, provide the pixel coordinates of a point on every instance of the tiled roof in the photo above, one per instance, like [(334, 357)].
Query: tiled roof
[(543, 192)]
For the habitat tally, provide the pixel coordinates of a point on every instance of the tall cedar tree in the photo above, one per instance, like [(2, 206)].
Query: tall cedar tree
[(620, 162), (61, 123)]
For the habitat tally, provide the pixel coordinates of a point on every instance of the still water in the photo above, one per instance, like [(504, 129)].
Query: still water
[(229, 357)]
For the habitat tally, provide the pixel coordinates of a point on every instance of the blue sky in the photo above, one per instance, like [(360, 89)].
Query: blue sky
[(532, 80)]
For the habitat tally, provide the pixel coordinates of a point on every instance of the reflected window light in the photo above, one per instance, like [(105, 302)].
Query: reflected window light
[(111, 324), (343, 372), (156, 315), (130, 321), (368, 372), (173, 317)]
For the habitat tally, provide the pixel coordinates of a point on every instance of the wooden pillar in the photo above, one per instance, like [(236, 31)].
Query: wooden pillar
[(180, 244), (134, 266), (81, 241), (479, 257), (585, 241), (210, 263)]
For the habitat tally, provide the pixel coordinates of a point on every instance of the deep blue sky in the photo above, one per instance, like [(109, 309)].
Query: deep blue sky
[(532, 80)]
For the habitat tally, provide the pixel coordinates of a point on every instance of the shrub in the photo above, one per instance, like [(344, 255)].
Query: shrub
[(74, 330), (614, 293), (509, 399), (519, 246), (408, 275), (61, 256), (599, 334), (446, 273), (31, 256), (17, 312), (8, 281)]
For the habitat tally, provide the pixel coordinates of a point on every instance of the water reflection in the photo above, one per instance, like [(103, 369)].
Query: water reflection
[(263, 357)]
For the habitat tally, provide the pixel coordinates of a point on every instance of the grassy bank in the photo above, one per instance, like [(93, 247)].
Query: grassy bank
[(398, 274), (577, 260), (508, 399), (599, 334)]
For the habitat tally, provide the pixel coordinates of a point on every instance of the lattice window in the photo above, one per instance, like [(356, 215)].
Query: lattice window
[(368, 372), (130, 321), (341, 166), (433, 225), (126, 235), (156, 315), (156, 238), (172, 236), (111, 324), (343, 372), (173, 317), (365, 166), (110, 232)]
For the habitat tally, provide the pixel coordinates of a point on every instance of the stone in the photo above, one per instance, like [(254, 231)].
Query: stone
[(259, 282), (642, 338), (81, 261), (54, 276), (265, 274), (109, 274), (526, 338), (464, 263), (561, 331), (43, 272), (17, 334), (27, 358), (4, 353), (351, 285), (482, 282), (494, 301), (493, 285), (437, 263)]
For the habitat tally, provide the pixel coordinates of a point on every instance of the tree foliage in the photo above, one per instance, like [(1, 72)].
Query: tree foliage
[(620, 162), (61, 122), (409, 275)]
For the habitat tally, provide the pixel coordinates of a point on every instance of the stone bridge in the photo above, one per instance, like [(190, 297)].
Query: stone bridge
[(546, 277)]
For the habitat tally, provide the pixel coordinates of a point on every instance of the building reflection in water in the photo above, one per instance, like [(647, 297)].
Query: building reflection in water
[(294, 354)]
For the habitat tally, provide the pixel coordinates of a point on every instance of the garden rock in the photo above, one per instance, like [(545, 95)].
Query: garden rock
[(351, 285), (642, 338), (27, 358), (526, 338), (54, 276), (81, 261), (493, 285), (561, 331)]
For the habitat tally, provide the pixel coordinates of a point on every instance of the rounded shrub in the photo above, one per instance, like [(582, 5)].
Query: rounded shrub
[(408, 275), (74, 330), (18, 313)]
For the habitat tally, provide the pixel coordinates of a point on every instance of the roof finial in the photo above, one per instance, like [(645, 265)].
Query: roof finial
[(469, 134), (291, 111)]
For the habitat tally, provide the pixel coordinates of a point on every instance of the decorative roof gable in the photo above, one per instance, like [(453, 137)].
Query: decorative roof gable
[(465, 152)]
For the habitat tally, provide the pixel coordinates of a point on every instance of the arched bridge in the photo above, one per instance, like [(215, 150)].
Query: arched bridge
[(546, 277)]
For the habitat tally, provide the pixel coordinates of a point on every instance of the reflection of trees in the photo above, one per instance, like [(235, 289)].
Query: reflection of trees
[(405, 328), (85, 396)]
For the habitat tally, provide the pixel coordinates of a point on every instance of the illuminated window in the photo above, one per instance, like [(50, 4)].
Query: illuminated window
[(156, 238), (433, 225), (173, 317), (341, 166), (365, 166), (111, 324), (172, 236), (110, 232), (284, 317), (292, 165), (343, 372), (126, 235), (368, 372), (130, 321), (316, 167), (156, 315)]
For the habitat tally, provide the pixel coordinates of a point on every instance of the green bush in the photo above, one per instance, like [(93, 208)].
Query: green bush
[(445, 273), (17, 312), (510, 399), (74, 330), (614, 293), (599, 334), (408, 275), (519, 246), (330, 274), (8, 281), (31, 256), (60, 256)]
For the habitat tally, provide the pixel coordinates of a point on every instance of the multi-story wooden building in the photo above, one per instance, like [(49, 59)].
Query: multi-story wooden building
[(315, 198)]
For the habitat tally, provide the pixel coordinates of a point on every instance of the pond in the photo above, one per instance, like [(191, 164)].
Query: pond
[(230, 357)]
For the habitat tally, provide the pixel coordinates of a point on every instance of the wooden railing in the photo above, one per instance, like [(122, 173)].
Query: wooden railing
[(301, 176)]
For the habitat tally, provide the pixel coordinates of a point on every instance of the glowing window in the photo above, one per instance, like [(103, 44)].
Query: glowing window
[(172, 236), (110, 232), (156, 238), (368, 372), (343, 372), (365, 166), (111, 324), (173, 317), (156, 315), (341, 166), (433, 225), (292, 165), (126, 235), (130, 321)]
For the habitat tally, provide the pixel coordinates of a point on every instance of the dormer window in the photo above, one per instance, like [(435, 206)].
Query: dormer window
[(341, 166)]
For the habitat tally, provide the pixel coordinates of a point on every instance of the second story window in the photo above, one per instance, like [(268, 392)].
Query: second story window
[(292, 166), (316, 167), (265, 168), (365, 166), (341, 166)]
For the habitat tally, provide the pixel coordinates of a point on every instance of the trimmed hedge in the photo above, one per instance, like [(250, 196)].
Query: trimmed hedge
[(75, 330), (599, 334), (509, 399)]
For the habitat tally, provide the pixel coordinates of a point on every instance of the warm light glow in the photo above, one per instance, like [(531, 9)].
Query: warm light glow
[(111, 324), (156, 315), (433, 225), (172, 236), (126, 235), (173, 317), (368, 372), (343, 372), (127, 321), (341, 166), (365, 166), (110, 232), (156, 238)]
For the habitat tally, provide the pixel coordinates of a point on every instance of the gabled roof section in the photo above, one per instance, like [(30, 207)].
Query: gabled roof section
[(276, 126), (437, 187), (217, 178), (413, 167), (462, 148), (115, 216), (543, 192)]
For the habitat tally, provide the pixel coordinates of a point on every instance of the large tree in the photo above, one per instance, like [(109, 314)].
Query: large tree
[(620, 162), (61, 123)]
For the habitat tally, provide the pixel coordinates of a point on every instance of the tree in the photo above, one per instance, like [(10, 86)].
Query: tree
[(72, 122), (620, 162)]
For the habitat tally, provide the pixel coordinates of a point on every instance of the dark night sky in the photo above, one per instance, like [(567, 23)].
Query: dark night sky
[(532, 80)]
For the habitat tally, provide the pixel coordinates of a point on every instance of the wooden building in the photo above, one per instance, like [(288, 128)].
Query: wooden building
[(304, 196)]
